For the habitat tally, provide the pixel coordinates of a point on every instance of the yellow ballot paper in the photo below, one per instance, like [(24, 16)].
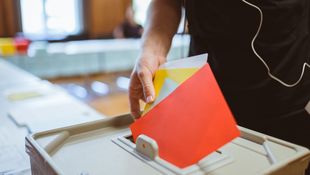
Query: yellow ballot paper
[(171, 75)]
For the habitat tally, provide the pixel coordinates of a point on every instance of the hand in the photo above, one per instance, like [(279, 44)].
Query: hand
[(141, 82)]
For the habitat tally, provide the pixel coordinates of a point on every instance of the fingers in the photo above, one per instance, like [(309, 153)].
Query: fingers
[(146, 78), (141, 82), (134, 107), (135, 94)]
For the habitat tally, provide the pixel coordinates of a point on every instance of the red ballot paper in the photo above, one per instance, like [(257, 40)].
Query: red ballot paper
[(192, 122)]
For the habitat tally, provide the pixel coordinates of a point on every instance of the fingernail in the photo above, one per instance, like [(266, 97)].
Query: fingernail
[(149, 99)]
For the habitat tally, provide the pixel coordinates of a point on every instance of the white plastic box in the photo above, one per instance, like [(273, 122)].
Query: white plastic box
[(105, 147)]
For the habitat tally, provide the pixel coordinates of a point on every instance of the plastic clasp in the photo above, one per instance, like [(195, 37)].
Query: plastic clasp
[(147, 146)]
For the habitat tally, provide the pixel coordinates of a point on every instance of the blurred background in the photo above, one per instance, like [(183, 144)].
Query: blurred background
[(66, 62), (87, 47)]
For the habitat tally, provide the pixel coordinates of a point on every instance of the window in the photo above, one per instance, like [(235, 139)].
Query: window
[(140, 9), (48, 19)]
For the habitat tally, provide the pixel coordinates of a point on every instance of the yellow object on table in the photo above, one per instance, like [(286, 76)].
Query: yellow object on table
[(23, 95), (7, 47)]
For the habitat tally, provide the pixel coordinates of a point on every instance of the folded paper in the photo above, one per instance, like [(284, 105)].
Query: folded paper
[(191, 122), (172, 78), (177, 71)]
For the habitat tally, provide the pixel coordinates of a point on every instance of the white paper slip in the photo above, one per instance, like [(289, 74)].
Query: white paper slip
[(30, 91), (168, 87), (191, 62), (52, 112)]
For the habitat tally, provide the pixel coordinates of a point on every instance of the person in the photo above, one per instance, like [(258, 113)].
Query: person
[(259, 52), (129, 28)]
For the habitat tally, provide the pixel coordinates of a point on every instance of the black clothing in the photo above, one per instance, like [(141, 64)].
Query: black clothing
[(131, 31), (225, 30)]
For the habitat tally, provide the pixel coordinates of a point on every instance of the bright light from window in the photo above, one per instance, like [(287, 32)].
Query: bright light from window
[(32, 16), (62, 16), (51, 17), (100, 88), (140, 8), (123, 82)]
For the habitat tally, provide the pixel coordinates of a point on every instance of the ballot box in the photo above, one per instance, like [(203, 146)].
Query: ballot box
[(106, 147)]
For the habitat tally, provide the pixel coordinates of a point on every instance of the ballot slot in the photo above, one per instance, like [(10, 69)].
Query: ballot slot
[(146, 150), (130, 138)]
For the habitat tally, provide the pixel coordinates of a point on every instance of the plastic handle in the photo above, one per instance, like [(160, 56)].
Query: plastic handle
[(147, 146), (262, 141)]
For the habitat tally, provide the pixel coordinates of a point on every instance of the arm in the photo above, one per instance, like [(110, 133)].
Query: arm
[(118, 32), (162, 23)]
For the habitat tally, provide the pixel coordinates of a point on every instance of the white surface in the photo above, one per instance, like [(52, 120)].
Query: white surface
[(12, 138), (52, 109), (90, 161), (12, 143), (11, 75)]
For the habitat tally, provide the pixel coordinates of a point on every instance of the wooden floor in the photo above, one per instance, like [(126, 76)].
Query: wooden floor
[(112, 104)]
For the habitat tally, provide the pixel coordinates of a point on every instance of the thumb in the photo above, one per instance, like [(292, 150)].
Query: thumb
[(146, 79)]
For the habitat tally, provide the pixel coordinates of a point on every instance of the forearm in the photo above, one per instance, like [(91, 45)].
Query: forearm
[(162, 22)]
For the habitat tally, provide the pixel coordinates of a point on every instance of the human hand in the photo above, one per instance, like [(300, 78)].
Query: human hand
[(141, 81)]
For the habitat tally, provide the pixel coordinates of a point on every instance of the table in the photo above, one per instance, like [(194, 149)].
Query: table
[(89, 56), (29, 104)]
